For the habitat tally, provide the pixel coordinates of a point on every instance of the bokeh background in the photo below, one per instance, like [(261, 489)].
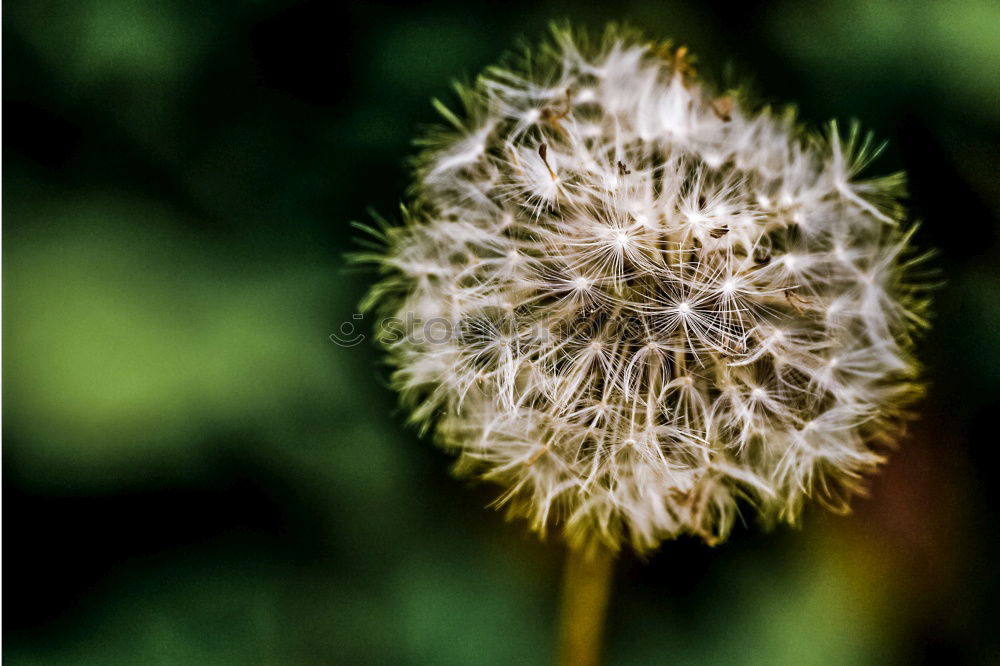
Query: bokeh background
[(194, 473)]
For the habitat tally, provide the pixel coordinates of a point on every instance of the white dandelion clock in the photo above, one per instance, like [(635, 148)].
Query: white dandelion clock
[(655, 304)]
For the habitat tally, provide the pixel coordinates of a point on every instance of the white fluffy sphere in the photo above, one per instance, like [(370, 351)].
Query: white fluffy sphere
[(633, 301)]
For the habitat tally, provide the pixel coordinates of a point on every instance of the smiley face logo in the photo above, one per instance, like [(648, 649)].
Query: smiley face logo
[(348, 336)]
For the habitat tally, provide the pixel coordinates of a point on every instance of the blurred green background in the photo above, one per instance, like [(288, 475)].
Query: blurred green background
[(194, 473)]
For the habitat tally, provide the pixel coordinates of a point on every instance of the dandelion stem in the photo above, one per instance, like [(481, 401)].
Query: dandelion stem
[(586, 588)]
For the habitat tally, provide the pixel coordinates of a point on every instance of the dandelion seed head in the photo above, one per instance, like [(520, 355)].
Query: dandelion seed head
[(662, 301)]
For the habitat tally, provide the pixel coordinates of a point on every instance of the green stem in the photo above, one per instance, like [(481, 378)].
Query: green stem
[(586, 589)]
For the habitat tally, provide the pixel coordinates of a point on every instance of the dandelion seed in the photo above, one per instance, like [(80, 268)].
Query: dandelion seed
[(728, 311)]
